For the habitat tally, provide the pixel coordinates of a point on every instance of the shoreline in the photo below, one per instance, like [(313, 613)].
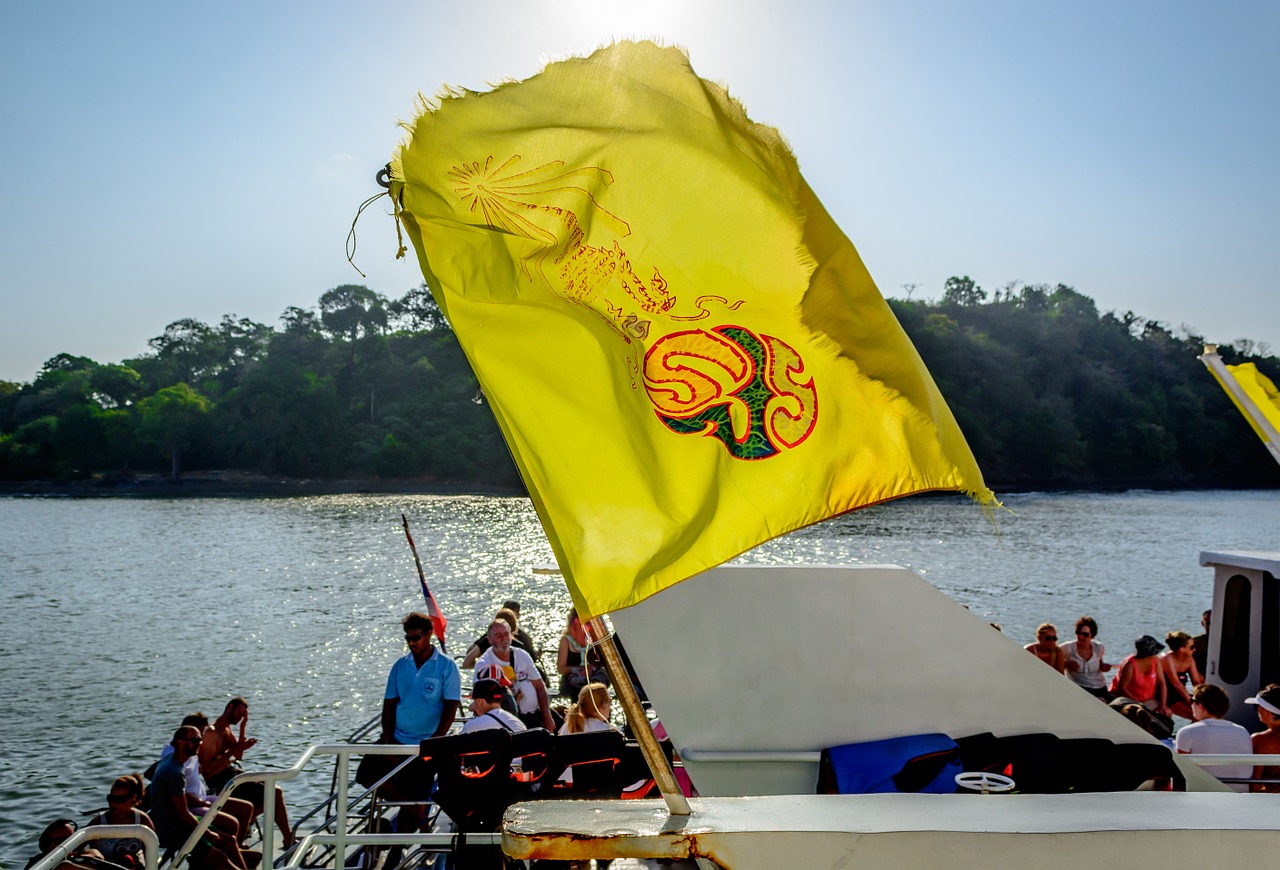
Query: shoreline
[(231, 484)]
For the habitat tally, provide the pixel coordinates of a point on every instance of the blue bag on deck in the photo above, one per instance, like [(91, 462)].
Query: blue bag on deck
[(923, 763)]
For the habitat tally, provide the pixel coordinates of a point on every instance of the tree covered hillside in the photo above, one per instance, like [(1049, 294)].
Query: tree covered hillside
[(1049, 392)]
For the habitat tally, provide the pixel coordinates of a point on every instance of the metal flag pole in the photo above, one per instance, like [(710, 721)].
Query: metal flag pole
[(1255, 415), (663, 775)]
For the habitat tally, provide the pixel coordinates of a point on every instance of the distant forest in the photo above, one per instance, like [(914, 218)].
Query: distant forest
[(1050, 393)]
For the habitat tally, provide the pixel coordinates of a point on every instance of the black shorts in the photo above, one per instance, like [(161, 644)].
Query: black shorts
[(415, 782), (252, 792)]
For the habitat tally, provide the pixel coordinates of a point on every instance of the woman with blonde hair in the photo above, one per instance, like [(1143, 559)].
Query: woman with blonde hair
[(1045, 647), (577, 662), (591, 713)]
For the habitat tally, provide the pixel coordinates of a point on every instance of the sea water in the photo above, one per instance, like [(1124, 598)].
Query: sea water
[(120, 616)]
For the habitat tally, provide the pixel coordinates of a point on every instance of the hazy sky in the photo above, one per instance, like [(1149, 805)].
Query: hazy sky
[(169, 160)]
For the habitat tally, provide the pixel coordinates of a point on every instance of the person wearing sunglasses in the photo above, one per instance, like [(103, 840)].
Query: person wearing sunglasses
[(1046, 647), (1085, 659), (122, 809), (173, 818), (424, 691)]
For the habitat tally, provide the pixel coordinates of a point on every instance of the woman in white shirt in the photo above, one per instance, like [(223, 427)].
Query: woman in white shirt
[(1084, 659)]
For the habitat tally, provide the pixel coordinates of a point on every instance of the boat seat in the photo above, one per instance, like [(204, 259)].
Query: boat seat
[(473, 777), (596, 759), (1046, 764), (534, 748)]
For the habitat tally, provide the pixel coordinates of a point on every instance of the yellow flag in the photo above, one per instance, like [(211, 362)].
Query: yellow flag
[(685, 354), (1264, 396)]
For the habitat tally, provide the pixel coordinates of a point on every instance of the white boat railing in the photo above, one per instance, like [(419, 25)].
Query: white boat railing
[(342, 836), (60, 852), (762, 756)]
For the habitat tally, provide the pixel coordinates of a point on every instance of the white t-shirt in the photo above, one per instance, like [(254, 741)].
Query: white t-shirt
[(1217, 737), (1090, 673), (493, 719), (520, 672), (589, 726)]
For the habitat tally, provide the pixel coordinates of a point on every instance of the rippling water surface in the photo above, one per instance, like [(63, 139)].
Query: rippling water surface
[(119, 617)]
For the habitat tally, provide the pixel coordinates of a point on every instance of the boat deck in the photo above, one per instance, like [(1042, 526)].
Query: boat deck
[(1133, 829)]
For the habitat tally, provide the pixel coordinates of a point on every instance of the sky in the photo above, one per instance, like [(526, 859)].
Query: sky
[(161, 161)]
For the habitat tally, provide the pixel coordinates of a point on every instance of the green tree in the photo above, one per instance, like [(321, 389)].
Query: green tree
[(170, 418), (962, 291), (352, 311), (417, 311)]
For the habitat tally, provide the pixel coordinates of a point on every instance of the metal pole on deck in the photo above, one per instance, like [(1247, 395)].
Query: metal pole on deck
[(663, 775)]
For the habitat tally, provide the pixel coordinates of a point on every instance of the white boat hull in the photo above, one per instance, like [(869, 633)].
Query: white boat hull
[(1134, 830)]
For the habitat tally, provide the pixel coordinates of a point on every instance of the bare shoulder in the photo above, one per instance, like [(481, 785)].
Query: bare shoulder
[(1266, 741)]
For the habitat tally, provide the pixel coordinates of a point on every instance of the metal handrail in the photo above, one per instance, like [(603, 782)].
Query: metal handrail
[(1207, 760), (438, 840), (62, 851), (761, 756), (343, 751)]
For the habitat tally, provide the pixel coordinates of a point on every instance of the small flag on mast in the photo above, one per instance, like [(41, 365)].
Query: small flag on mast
[(438, 622)]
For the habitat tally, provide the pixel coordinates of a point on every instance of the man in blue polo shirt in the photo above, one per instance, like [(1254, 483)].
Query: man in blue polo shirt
[(424, 690)]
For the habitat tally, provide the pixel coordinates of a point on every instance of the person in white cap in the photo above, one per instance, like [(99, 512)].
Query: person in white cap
[(1267, 742)]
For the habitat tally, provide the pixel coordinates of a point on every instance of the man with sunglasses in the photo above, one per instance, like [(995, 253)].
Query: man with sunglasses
[(424, 690), (173, 818)]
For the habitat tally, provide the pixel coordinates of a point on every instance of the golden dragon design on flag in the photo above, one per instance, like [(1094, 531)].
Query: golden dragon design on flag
[(745, 389)]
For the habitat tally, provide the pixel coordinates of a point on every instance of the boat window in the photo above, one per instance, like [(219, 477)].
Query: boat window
[(1233, 652), (1269, 657)]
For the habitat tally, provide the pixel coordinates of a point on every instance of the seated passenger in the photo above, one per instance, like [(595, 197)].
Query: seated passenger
[(577, 662), (236, 815), (174, 821), (1139, 678), (481, 644), (122, 809), (514, 668), (53, 835), (1267, 742), (519, 634), (1046, 647), (1180, 672), (1084, 658), (220, 754), (591, 713), (1211, 734), (486, 705), (1201, 654)]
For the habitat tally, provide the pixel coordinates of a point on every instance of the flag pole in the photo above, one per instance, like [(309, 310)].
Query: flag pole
[(663, 775), (438, 622)]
